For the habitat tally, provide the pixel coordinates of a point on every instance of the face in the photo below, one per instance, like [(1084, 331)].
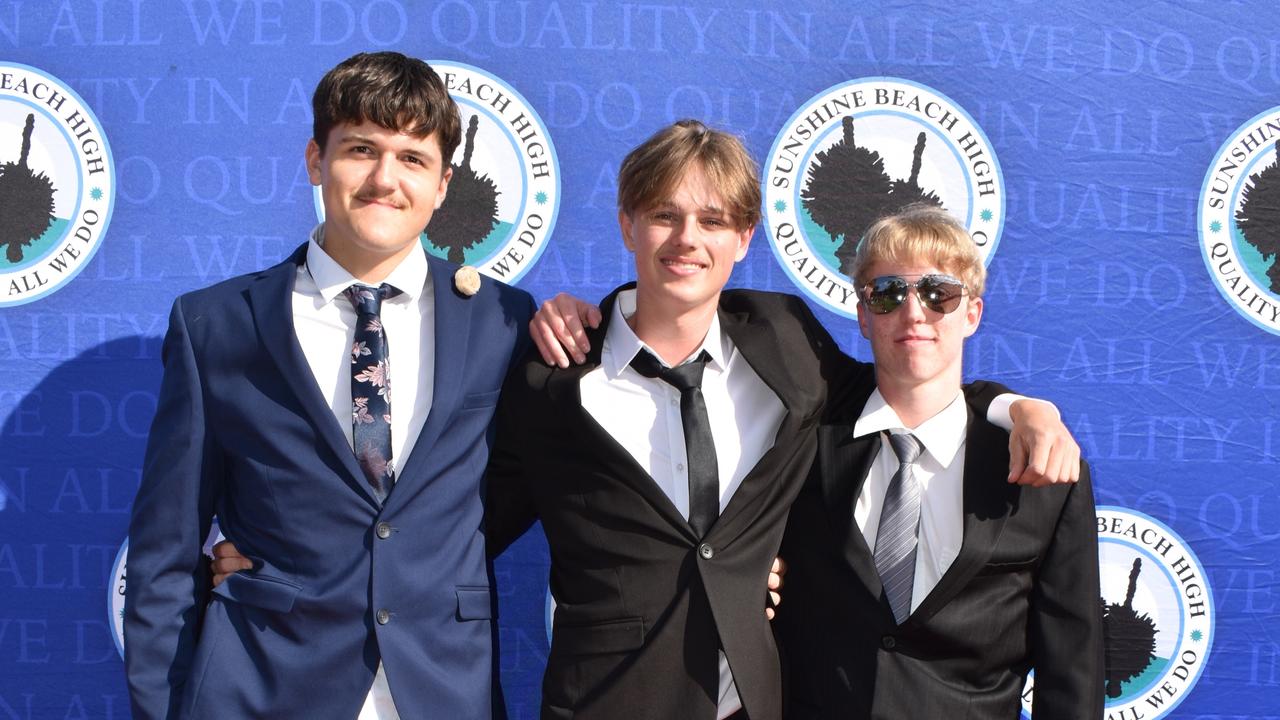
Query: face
[(379, 189), (685, 247), (913, 345)]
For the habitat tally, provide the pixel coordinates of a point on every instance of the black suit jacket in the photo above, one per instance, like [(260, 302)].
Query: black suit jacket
[(643, 604), (1023, 593)]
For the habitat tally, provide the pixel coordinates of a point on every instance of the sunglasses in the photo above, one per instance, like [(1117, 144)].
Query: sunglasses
[(939, 293)]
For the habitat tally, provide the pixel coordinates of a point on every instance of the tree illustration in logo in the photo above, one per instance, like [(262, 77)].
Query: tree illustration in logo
[(26, 201), (1259, 216), (1130, 638), (470, 210), (847, 189)]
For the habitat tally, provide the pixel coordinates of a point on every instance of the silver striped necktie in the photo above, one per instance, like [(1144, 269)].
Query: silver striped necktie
[(895, 552)]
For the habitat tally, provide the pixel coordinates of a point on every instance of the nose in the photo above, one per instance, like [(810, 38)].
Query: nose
[(685, 231), (381, 175), (913, 307)]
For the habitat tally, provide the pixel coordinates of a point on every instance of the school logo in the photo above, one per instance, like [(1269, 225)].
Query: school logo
[(864, 149), (505, 193), (57, 184), (1158, 616), (1239, 220), (119, 578)]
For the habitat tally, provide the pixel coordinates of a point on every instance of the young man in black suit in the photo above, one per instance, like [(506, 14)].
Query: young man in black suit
[(921, 583)]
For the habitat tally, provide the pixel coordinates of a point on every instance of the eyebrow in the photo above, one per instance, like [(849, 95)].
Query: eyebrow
[(712, 209)]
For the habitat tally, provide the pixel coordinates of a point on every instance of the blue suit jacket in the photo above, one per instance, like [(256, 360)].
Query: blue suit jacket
[(242, 432)]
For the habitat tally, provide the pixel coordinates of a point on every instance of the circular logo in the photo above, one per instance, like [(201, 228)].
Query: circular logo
[(1239, 220), (504, 196), (119, 573), (864, 149), (1157, 615), (57, 184)]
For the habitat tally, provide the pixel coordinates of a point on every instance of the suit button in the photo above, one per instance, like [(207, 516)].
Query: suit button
[(383, 530), (383, 616), (888, 642), (706, 551)]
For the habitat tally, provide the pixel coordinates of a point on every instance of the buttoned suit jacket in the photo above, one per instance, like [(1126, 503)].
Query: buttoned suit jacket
[(1022, 593), (642, 603), (243, 432)]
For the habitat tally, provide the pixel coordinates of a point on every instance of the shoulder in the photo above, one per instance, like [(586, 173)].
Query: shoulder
[(764, 302), (232, 290), (492, 294)]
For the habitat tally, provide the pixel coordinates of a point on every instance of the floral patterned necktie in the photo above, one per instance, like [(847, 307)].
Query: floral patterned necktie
[(371, 388)]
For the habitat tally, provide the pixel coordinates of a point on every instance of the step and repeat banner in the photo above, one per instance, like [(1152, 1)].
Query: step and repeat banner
[(1116, 164)]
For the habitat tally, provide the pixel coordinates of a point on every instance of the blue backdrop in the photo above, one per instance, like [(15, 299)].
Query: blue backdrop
[(1119, 289)]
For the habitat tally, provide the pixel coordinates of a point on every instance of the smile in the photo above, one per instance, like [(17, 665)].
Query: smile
[(682, 266)]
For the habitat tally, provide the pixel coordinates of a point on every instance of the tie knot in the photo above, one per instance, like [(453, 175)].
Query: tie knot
[(684, 377), (368, 300), (906, 446)]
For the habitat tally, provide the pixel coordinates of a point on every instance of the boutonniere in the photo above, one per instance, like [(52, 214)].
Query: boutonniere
[(467, 281)]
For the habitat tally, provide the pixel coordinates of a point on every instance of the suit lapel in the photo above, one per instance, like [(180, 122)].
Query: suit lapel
[(844, 462), (450, 346), (566, 388), (271, 302), (988, 500), (757, 341)]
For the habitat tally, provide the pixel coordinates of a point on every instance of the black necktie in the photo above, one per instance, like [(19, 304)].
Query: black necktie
[(700, 447), (371, 388)]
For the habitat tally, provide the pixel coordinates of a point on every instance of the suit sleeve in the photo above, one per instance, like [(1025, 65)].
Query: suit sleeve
[(1066, 615), (168, 580), (509, 506)]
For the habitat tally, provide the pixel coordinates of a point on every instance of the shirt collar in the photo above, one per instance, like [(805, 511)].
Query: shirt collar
[(942, 435), (621, 342), (409, 277)]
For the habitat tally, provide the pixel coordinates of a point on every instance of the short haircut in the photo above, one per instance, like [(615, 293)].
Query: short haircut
[(921, 233), (652, 171), (390, 90)]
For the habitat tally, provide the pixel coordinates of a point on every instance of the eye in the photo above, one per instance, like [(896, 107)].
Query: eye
[(412, 159), (714, 222)]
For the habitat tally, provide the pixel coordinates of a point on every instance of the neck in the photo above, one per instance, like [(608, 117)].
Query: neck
[(673, 333), (368, 268), (917, 403)]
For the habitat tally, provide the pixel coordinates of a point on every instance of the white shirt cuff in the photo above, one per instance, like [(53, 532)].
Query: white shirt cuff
[(998, 410)]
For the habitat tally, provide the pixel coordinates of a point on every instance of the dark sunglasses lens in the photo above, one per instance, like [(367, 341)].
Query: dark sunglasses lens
[(939, 294), (886, 294)]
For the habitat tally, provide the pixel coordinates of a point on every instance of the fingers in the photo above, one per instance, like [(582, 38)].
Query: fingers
[(1017, 457), (226, 560), (545, 329)]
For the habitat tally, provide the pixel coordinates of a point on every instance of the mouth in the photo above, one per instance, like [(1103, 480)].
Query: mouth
[(683, 266), (914, 340), (378, 202)]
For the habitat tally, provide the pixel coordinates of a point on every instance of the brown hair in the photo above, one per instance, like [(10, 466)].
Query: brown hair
[(652, 171), (922, 233), (390, 90)]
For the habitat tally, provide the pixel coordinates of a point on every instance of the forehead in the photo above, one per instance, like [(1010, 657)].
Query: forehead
[(694, 189), (913, 266), (372, 132)]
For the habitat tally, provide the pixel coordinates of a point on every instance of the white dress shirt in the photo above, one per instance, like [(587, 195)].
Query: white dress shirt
[(643, 415), (324, 322), (940, 473)]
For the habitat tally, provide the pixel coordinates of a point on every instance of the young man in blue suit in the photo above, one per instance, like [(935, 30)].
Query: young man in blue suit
[(371, 595)]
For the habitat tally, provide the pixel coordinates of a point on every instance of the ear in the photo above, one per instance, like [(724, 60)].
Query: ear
[(443, 191), (624, 222), (313, 154), (972, 315), (863, 321), (744, 242)]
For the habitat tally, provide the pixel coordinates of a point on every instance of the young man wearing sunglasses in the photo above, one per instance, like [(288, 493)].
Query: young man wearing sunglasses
[(921, 583)]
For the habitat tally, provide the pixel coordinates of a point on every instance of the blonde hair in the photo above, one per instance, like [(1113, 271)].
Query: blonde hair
[(922, 233), (652, 171)]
